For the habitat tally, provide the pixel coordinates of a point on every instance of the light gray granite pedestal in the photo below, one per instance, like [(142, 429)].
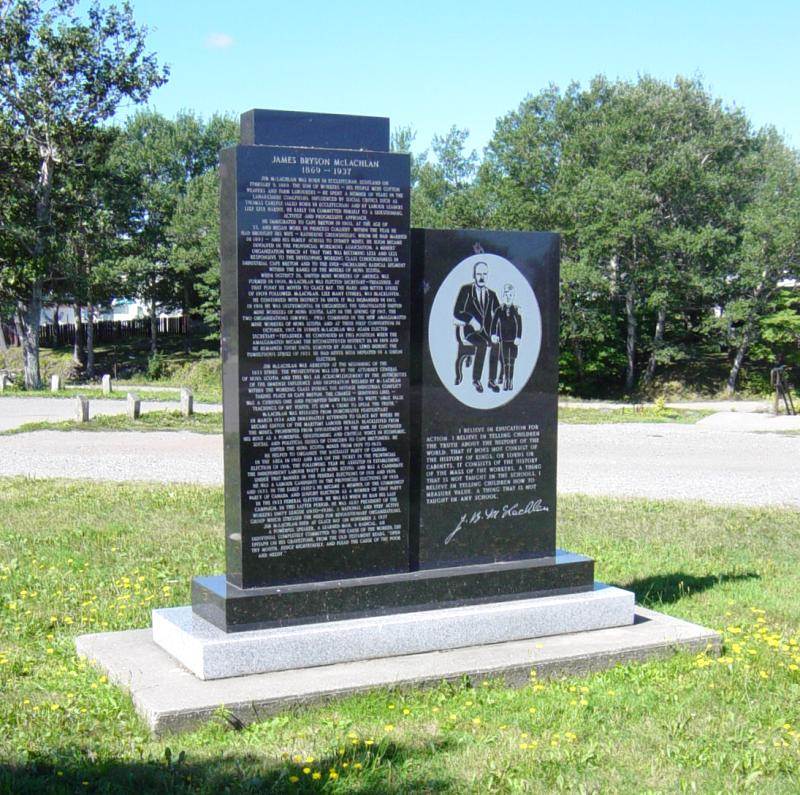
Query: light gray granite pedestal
[(170, 698), (210, 653)]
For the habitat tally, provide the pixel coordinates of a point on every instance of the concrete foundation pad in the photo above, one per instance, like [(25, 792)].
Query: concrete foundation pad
[(210, 653), (170, 698)]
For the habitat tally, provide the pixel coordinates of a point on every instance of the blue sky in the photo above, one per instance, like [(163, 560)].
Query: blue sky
[(438, 63)]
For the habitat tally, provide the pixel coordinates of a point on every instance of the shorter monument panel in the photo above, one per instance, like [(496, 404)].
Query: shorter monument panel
[(486, 413)]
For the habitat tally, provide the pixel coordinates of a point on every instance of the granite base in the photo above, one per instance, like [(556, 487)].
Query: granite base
[(210, 653), (170, 699)]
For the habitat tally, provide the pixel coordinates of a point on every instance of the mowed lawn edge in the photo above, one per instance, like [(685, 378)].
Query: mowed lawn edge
[(84, 557), (211, 422), (200, 422)]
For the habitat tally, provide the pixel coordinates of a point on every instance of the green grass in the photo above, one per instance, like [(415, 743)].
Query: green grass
[(148, 421), (91, 557), (566, 415), (120, 392), (584, 416), (51, 362), (127, 361)]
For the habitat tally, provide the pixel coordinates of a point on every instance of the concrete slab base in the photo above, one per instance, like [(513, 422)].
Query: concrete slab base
[(170, 698), (210, 653)]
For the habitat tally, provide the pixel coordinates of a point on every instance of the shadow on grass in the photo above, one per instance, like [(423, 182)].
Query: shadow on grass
[(665, 589), (380, 768)]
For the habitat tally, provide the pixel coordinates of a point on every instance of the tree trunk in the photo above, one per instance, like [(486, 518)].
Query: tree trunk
[(186, 319), (3, 343), (153, 327), (90, 341), (18, 326), (760, 292), (630, 341), (738, 360), (658, 339), (28, 319), (30, 316), (78, 347)]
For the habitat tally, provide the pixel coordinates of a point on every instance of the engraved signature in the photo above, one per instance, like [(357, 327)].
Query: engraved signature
[(491, 514)]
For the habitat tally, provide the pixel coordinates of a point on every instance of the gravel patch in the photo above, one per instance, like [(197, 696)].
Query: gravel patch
[(657, 461), (682, 462), (163, 457)]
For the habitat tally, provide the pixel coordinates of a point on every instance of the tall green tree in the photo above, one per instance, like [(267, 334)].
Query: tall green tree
[(91, 210), (778, 338), (159, 158), (769, 254), (193, 234), (443, 193), (63, 73), (647, 182), (17, 173)]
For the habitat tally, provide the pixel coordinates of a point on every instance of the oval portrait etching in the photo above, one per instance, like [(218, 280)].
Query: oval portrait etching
[(485, 331)]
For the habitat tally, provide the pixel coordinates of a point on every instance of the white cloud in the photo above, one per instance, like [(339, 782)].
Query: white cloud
[(219, 41)]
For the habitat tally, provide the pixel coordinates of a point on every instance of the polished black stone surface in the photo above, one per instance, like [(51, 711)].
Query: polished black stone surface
[(486, 473), (315, 289), (321, 130), (390, 395), (235, 609)]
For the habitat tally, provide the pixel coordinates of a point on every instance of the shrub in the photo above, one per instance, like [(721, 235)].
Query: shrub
[(157, 367)]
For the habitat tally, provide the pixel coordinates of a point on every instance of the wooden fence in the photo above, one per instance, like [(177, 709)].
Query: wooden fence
[(53, 335)]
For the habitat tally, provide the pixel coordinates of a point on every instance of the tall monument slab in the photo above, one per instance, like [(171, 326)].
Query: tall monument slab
[(315, 295)]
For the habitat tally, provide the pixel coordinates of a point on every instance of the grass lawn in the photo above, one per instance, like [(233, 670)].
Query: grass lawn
[(212, 423), (206, 422), (584, 416), (85, 557), (120, 391), (92, 392), (127, 361)]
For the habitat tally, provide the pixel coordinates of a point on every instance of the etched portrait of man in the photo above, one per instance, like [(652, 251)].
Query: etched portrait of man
[(475, 309)]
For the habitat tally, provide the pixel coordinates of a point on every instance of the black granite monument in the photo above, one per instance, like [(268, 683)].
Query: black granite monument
[(390, 395)]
